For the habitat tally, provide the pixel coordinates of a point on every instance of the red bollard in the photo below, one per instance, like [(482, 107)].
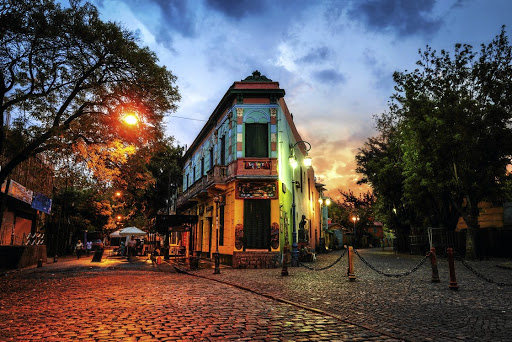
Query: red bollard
[(351, 275), (433, 262), (451, 265)]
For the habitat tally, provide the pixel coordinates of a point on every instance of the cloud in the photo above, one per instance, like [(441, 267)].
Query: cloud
[(237, 9), (329, 76), (316, 55), (404, 17)]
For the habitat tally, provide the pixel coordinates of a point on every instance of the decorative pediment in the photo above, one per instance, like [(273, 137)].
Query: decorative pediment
[(257, 77)]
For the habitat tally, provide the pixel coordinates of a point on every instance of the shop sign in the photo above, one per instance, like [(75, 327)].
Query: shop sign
[(18, 191), (256, 190), (42, 203)]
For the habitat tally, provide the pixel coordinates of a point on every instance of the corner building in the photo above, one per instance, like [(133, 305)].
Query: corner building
[(240, 183)]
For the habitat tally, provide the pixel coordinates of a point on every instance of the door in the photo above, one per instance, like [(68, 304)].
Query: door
[(257, 224)]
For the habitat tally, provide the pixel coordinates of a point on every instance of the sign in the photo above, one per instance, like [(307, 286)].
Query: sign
[(256, 190), (42, 203), (18, 191)]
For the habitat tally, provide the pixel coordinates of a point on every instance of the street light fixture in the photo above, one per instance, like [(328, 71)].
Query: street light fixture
[(293, 163), (130, 119), (324, 203), (355, 218)]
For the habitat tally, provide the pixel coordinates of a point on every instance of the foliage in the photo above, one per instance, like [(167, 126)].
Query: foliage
[(446, 140), (66, 76)]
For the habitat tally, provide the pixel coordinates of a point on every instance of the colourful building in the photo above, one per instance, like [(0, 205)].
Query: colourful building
[(239, 180)]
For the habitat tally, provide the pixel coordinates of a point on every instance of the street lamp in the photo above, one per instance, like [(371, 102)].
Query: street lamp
[(324, 203), (294, 163), (355, 218), (218, 203), (130, 119)]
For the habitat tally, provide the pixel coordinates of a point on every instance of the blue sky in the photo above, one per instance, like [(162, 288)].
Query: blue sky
[(335, 59)]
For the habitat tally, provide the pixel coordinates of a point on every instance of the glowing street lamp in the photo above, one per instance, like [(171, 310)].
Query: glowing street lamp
[(130, 119), (324, 203)]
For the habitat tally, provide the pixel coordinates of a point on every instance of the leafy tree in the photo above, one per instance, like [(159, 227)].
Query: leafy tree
[(451, 118), (67, 76)]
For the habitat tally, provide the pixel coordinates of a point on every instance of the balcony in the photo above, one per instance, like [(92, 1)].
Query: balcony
[(220, 175), (256, 168)]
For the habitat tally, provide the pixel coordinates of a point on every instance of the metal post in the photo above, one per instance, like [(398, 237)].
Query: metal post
[(216, 254), (284, 271), (433, 262), (350, 273), (295, 246), (451, 265)]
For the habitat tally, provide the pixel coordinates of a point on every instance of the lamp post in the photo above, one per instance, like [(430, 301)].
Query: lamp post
[(355, 218), (324, 203), (293, 163), (218, 203)]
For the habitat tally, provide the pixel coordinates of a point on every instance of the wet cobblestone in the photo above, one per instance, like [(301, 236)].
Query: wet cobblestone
[(119, 301), (409, 308)]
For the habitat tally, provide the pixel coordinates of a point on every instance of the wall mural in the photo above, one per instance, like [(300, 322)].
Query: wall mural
[(256, 190), (239, 236)]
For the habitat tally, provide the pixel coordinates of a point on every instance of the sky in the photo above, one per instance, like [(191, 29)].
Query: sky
[(334, 59)]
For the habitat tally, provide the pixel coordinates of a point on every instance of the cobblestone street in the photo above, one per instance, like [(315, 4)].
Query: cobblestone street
[(115, 300), (410, 308)]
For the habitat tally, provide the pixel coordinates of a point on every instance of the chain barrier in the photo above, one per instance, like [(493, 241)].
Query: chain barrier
[(398, 275), (479, 275), (326, 267)]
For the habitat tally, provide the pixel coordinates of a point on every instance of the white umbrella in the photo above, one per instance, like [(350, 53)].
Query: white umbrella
[(115, 234), (129, 231)]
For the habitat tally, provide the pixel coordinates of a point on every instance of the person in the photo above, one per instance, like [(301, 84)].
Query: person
[(88, 247), (78, 248), (131, 248), (122, 248)]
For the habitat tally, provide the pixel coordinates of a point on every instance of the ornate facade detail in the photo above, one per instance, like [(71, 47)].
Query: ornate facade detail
[(257, 77)]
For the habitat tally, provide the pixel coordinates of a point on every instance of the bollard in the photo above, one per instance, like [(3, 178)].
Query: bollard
[(351, 275), (217, 263), (433, 262), (451, 265), (159, 260), (284, 270), (40, 262)]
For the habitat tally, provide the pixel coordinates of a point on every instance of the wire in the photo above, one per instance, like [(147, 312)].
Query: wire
[(182, 117)]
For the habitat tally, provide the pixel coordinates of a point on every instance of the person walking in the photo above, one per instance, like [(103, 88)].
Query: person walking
[(88, 247), (78, 249), (131, 248)]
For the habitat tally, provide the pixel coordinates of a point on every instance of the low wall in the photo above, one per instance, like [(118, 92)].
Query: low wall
[(256, 259), (21, 256)]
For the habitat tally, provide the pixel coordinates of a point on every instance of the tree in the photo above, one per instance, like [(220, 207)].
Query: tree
[(66, 76), (452, 118)]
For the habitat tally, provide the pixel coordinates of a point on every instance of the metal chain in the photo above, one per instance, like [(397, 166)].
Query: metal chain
[(478, 274), (326, 267), (398, 275)]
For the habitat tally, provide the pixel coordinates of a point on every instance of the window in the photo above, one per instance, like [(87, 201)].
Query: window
[(223, 150), (211, 158), (194, 175), (256, 140), (202, 167)]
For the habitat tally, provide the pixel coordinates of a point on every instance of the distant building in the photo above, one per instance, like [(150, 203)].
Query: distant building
[(28, 190), (240, 183)]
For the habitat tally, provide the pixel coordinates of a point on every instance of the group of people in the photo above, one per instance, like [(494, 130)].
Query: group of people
[(80, 247)]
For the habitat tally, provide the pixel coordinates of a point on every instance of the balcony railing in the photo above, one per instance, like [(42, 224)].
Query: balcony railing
[(221, 174)]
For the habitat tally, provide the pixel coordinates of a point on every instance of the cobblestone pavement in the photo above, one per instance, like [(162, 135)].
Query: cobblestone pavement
[(410, 308), (76, 300)]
